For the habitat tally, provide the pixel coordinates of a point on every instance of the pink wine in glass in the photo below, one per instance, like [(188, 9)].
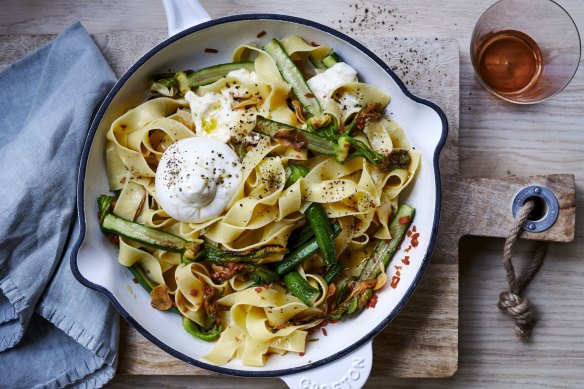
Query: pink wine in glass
[(509, 62)]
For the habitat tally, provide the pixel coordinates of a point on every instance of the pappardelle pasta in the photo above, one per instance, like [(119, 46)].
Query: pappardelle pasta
[(258, 198)]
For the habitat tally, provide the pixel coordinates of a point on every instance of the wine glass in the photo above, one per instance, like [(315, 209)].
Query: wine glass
[(525, 51)]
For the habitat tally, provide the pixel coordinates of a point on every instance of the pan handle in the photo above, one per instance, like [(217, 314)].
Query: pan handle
[(351, 371), (182, 14)]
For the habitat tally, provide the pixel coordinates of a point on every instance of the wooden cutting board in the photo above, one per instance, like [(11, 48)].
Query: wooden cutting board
[(423, 340)]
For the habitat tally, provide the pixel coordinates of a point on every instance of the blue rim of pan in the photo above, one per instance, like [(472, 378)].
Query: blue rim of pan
[(81, 206)]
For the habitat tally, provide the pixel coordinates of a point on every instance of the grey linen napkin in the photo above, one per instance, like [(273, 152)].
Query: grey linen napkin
[(54, 332)]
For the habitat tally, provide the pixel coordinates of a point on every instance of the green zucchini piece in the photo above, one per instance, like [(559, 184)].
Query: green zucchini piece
[(371, 112), (325, 63), (269, 127), (330, 60), (327, 145), (333, 271), (322, 232), (396, 159), (385, 249), (207, 335), (185, 82), (260, 274), (343, 289), (140, 276), (294, 77), (214, 254), (104, 203), (353, 304), (300, 236), (300, 288), (317, 63), (148, 236), (296, 173), (326, 126), (213, 73), (145, 282), (318, 221), (362, 289), (302, 253), (286, 134)]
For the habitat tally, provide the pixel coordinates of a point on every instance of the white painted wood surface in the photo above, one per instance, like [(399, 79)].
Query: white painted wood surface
[(496, 139)]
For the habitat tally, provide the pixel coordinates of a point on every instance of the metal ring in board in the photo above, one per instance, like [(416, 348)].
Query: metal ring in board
[(550, 211)]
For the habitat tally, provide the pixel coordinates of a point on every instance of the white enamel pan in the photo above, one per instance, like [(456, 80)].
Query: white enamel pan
[(342, 358)]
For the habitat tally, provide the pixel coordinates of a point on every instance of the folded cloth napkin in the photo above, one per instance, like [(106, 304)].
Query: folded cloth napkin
[(54, 332)]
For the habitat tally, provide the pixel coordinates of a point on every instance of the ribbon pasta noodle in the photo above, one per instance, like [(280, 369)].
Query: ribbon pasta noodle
[(267, 208)]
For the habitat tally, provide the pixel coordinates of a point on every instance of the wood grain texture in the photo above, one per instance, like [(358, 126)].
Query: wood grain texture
[(481, 206), (497, 139), (120, 51)]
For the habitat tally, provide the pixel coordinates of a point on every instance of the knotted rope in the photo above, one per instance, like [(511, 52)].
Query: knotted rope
[(511, 301)]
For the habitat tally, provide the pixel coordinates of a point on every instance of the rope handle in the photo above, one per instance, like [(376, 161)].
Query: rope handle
[(511, 301)]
